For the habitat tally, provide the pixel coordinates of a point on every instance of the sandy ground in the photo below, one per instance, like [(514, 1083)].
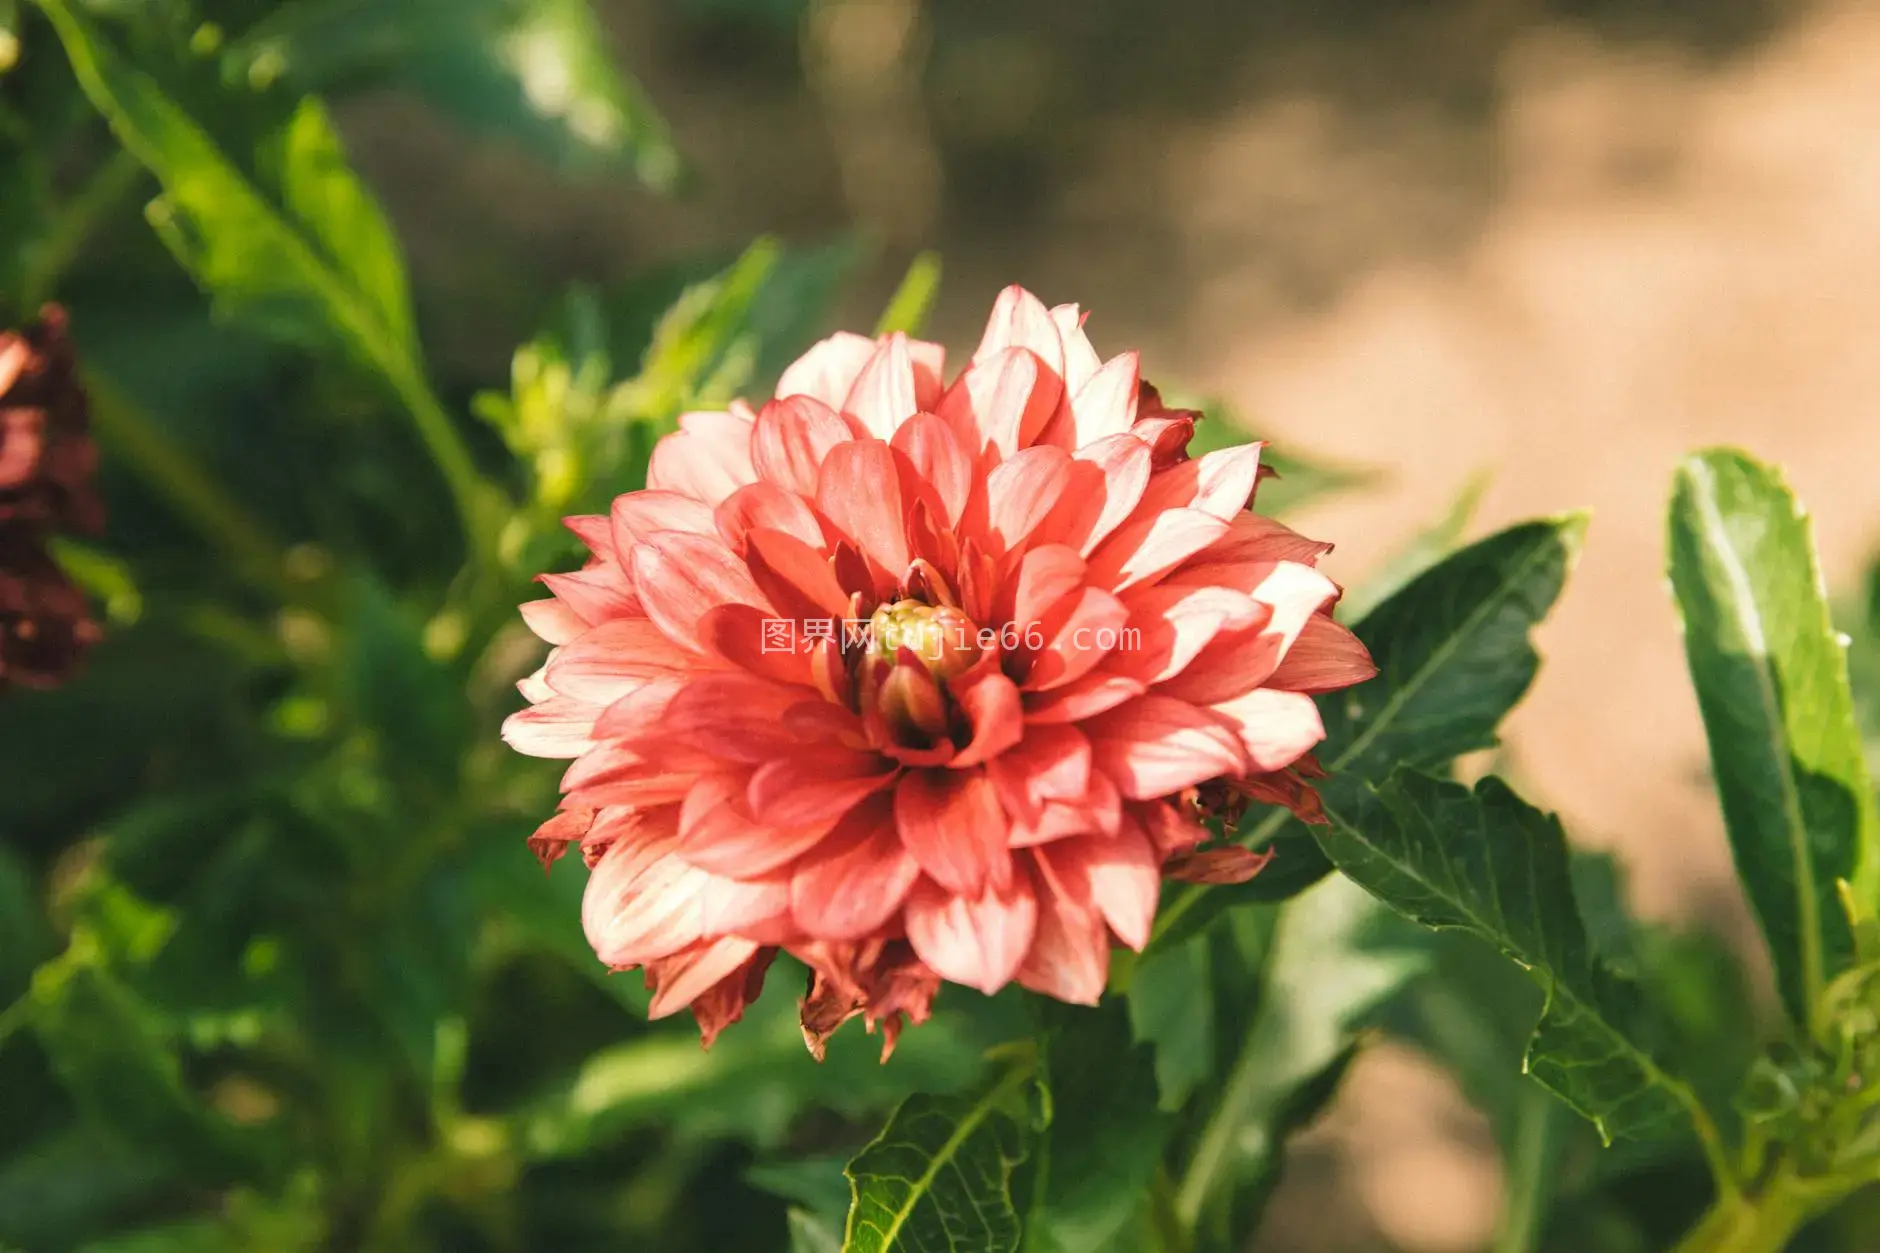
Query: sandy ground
[(1480, 235)]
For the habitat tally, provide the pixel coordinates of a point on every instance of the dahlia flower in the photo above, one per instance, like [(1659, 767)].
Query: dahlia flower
[(46, 464), (922, 682)]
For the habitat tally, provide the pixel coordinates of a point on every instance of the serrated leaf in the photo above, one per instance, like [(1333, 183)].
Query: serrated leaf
[(1454, 655), (1096, 1161), (938, 1178), (1330, 966), (1488, 863), (1771, 680), (537, 71)]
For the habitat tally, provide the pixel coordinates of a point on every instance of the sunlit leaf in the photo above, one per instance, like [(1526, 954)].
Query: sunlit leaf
[(1771, 679), (537, 71), (1093, 1165), (1491, 865), (1454, 655), (938, 1177), (1331, 965)]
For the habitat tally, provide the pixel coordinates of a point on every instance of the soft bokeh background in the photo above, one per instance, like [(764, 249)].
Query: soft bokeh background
[(1562, 242)]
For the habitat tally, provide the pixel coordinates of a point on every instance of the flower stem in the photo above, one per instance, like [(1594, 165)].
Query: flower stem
[(1765, 1223), (127, 430)]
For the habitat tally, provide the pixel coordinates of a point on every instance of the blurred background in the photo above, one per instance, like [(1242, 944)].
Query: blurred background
[(1543, 246)]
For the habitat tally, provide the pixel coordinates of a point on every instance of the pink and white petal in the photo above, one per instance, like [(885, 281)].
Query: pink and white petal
[(1323, 658), (606, 662), (798, 792), (938, 457), (856, 880), (1023, 489), (1020, 320), (683, 979), (829, 369), (952, 824), (717, 832), (733, 716), (596, 531), (884, 396), (1001, 402), (740, 635), (637, 515), (1252, 542), (792, 438), (996, 712), (1081, 632), (1155, 746), (1052, 763), (1218, 483), (1106, 486), (1106, 404), (1124, 878), (594, 595), (1145, 548), (1275, 728), (680, 577), (765, 505), (1085, 698), (559, 727), (976, 942), (552, 621), (859, 491), (1080, 359), (796, 577), (636, 714), (1070, 951), (708, 458), (1169, 624), (1046, 575)]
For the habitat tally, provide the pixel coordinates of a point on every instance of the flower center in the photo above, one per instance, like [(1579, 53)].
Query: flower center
[(944, 638)]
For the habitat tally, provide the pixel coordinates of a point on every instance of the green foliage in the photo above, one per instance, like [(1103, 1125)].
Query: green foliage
[(536, 71), (1771, 678), (938, 1177), (1488, 864)]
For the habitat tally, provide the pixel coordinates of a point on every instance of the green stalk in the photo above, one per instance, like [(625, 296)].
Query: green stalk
[(126, 430), (1766, 1223), (76, 220)]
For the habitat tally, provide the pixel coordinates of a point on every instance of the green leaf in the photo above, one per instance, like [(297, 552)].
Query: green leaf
[(1096, 1161), (1171, 1007), (938, 1177), (1488, 863), (1453, 655), (58, 1191), (1771, 679), (394, 688), (116, 1057), (1332, 963), (908, 308), (310, 258), (811, 1234), (24, 938), (537, 71)]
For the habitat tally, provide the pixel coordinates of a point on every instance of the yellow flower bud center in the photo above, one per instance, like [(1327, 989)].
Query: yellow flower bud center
[(940, 635)]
